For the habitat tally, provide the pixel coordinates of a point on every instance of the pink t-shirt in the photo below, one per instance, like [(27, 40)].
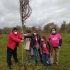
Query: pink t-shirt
[(54, 40), (45, 49)]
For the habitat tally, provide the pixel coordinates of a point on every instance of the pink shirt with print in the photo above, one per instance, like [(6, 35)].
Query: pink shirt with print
[(54, 39)]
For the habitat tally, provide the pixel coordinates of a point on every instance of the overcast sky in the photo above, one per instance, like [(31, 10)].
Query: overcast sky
[(43, 11)]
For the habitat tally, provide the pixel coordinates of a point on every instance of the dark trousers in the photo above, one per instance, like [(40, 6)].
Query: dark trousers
[(36, 51), (40, 55), (44, 58), (11, 53)]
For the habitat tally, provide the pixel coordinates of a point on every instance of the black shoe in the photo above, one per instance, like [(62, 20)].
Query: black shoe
[(49, 64), (45, 64), (17, 63)]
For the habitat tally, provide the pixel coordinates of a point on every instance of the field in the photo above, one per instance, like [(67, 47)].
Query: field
[(64, 56)]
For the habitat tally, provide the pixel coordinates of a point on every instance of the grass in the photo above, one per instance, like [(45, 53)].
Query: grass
[(64, 56)]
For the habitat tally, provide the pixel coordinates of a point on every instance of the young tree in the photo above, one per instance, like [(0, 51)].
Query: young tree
[(25, 12)]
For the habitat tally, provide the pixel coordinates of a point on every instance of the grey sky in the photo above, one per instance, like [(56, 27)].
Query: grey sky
[(43, 11)]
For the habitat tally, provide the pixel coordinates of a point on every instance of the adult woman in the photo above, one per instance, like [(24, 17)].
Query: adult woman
[(35, 46), (13, 41), (55, 40)]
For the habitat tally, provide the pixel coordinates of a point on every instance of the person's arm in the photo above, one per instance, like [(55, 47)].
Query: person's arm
[(41, 48), (20, 36), (27, 37), (48, 45), (14, 39), (39, 38), (60, 42)]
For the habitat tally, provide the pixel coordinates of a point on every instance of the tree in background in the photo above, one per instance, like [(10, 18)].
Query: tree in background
[(63, 27), (68, 28), (47, 28)]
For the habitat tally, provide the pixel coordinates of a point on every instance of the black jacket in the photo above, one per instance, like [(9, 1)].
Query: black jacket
[(33, 41)]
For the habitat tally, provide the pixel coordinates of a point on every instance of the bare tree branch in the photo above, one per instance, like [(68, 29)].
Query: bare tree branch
[(25, 10)]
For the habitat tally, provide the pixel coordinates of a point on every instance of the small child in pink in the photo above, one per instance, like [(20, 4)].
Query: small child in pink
[(44, 50)]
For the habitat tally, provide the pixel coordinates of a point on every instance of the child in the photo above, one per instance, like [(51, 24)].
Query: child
[(27, 47), (44, 50)]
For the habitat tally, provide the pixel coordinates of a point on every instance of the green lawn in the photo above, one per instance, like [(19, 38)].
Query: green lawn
[(64, 56)]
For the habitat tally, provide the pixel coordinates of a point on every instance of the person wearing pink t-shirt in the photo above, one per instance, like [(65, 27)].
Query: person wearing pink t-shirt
[(44, 48), (55, 40)]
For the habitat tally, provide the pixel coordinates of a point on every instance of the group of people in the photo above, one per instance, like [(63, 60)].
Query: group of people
[(36, 45)]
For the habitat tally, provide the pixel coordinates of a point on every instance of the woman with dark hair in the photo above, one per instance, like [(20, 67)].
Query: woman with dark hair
[(35, 46), (13, 41), (55, 40), (35, 41)]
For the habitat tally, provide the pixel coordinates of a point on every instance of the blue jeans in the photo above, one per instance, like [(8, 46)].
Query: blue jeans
[(27, 58), (35, 52), (45, 58), (31, 50)]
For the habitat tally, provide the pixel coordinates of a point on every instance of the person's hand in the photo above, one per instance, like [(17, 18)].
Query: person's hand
[(22, 38), (25, 34), (22, 41), (59, 47), (41, 53)]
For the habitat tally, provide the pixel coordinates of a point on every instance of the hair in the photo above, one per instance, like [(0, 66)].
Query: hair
[(28, 31), (35, 30), (14, 29), (44, 37), (53, 28)]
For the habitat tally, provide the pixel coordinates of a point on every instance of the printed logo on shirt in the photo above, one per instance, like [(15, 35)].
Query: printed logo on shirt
[(36, 39), (55, 38)]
